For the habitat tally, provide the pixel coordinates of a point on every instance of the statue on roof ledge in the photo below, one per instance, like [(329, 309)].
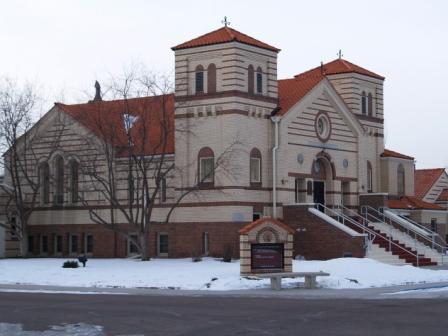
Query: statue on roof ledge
[(97, 92)]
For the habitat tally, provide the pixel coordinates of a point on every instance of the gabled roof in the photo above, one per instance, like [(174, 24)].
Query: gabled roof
[(292, 90), (340, 66), (443, 197), (412, 203), (152, 131), (424, 179), (224, 35), (389, 153), (249, 227)]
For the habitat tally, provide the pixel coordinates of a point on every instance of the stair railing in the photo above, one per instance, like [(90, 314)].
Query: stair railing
[(371, 234), (373, 215), (434, 235)]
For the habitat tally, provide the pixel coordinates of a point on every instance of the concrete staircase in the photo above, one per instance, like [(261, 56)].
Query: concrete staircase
[(380, 254), (427, 255)]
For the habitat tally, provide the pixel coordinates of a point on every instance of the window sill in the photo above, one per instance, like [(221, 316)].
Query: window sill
[(255, 185)]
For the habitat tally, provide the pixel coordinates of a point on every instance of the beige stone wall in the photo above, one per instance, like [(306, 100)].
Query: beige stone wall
[(389, 184), (298, 136), (371, 145), (350, 87), (230, 122), (231, 60)]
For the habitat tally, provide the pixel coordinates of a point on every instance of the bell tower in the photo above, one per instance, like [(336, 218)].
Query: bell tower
[(225, 90)]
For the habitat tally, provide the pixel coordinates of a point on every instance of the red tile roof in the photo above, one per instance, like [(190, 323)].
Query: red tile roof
[(224, 35), (292, 90), (249, 227), (389, 153), (443, 197), (152, 132), (412, 203), (424, 179), (340, 66)]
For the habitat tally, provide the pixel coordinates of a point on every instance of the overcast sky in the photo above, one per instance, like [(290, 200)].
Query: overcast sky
[(65, 46)]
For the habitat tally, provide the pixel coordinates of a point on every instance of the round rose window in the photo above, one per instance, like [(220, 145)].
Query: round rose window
[(323, 126)]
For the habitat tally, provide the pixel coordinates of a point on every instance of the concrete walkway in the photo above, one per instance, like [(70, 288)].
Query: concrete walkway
[(429, 290)]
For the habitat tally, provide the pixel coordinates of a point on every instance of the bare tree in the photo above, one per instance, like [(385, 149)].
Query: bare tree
[(135, 158), (20, 188)]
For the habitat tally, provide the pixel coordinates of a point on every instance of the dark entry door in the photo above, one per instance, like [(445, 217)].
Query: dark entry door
[(319, 192)]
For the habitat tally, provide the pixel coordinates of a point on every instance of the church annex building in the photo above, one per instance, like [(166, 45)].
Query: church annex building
[(308, 151)]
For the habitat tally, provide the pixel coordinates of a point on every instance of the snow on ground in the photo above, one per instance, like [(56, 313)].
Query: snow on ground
[(208, 274)]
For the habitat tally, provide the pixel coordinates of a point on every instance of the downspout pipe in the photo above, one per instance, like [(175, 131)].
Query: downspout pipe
[(276, 120)]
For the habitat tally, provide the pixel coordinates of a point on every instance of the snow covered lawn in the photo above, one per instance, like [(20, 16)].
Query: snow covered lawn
[(209, 274)]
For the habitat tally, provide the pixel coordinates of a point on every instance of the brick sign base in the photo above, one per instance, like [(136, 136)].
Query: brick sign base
[(266, 247)]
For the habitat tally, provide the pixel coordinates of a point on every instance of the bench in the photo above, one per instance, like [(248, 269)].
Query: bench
[(276, 278)]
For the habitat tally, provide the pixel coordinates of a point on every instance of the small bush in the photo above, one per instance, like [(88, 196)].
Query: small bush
[(227, 254), (70, 264), (196, 255)]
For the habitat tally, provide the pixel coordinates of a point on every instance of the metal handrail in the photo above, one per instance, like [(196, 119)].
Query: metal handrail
[(382, 218), (430, 232), (420, 226), (365, 228)]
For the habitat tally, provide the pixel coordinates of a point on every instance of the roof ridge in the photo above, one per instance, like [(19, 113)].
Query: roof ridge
[(223, 35), (430, 169), (116, 100), (332, 68), (229, 31)]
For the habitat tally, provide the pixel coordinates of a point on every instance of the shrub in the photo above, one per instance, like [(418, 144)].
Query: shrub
[(70, 264), (227, 254), (196, 255)]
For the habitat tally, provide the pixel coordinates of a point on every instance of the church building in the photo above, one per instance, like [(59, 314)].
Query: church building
[(307, 150)]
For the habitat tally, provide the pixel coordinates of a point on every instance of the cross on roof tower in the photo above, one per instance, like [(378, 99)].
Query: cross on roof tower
[(225, 22)]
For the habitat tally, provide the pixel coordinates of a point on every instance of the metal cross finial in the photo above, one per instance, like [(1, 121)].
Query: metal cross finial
[(340, 54), (225, 22)]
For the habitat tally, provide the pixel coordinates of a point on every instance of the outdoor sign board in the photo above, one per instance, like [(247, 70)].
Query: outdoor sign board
[(267, 256)]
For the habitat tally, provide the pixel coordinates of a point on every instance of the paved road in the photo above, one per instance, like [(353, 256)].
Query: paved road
[(208, 315)]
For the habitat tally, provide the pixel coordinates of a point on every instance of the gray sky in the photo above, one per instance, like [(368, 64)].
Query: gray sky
[(65, 45)]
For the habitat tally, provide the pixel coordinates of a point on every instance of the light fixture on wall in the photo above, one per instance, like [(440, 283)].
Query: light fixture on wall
[(283, 181)]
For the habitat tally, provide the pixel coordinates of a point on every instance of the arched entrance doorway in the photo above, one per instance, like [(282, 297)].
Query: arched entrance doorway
[(322, 172)]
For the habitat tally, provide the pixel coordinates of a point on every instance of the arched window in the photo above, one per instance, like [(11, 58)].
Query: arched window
[(400, 180), (211, 78), (259, 81), (44, 180), (162, 192), (74, 179), (370, 105), (199, 79), (369, 177), (250, 79), (59, 180), (363, 103), (206, 163), (255, 167)]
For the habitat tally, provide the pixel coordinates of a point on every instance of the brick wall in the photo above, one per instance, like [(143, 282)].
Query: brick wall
[(375, 201), (317, 239), (185, 239)]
